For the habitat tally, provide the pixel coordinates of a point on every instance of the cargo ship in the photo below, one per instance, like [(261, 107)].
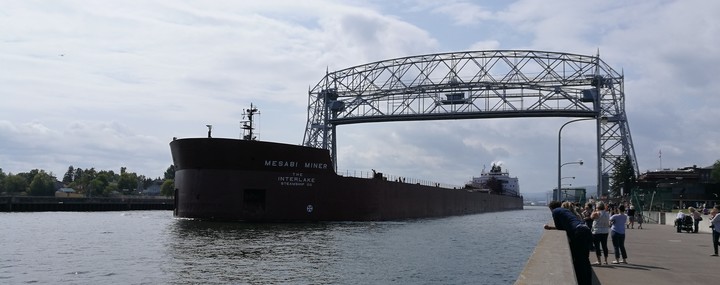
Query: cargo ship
[(496, 180), (257, 181)]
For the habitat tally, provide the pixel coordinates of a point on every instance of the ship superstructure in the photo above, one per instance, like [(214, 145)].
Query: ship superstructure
[(497, 180)]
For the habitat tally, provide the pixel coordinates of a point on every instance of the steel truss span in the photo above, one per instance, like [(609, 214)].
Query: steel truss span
[(474, 85)]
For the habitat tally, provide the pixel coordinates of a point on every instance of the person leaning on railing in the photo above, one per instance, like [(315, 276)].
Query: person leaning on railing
[(579, 238)]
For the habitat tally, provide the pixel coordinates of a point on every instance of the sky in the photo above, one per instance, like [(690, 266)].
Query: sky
[(108, 84)]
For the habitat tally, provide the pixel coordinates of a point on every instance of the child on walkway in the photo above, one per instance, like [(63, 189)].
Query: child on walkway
[(639, 220)]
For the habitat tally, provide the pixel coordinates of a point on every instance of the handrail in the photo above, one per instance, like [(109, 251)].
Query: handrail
[(396, 178)]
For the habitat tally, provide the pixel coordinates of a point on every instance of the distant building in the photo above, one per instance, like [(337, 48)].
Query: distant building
[(153, 189), (572, 194), (67, 193), (682, 187), (687, 174)]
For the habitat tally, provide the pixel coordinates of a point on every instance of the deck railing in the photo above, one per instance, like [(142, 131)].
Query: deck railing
[(396, 178)]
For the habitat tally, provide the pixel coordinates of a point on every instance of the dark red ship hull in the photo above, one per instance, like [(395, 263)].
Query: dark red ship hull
[(228, 179)]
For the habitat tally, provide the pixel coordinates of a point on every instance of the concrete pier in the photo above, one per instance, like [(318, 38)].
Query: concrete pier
[(550, 262), (657, 254)]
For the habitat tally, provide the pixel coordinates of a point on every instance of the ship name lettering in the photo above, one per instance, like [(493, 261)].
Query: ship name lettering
[(295, 179), (281, 163), (316, 165)]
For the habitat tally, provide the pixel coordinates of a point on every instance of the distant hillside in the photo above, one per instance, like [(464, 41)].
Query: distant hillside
[(542, 196)]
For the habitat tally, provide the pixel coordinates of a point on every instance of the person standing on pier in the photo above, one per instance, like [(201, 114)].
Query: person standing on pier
[(587, 214), (579, 237), (715, 226), (617, 234), (600, 231), (587, 217), (631, 216), (697, 217)]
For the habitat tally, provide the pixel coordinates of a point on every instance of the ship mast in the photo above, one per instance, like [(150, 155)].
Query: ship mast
[(247, 125)]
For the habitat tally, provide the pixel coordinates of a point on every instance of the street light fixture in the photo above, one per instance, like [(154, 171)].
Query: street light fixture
[(573, 162), (560, 152)]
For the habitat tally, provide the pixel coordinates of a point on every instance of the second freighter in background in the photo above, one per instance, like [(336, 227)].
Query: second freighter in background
[(496, 181)]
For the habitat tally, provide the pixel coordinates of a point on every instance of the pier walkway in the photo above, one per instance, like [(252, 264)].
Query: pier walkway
[(657, 254)]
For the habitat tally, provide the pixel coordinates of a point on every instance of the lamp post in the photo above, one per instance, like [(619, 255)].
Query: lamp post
[(580, 162), (560, 151)]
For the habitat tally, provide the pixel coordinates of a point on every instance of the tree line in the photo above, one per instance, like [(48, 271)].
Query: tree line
[(89, 182)]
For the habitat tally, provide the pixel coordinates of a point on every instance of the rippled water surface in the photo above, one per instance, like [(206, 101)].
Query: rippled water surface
[(152, 247)]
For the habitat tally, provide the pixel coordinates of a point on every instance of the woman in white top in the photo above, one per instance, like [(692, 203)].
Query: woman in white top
[(600, 231), (715, 225), (617, 234)]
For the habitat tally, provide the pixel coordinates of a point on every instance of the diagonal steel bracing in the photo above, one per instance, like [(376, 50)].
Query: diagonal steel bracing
[(474, 85)]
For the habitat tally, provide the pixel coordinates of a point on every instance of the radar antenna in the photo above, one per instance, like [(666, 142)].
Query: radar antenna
[(247, 125)]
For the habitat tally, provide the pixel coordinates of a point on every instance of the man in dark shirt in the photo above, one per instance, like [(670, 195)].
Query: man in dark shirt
[(579, 238)]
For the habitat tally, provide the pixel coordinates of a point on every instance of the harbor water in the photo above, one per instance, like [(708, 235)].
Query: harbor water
[(153, 247)]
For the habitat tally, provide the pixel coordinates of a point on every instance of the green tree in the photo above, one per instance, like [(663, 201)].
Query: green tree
[(99, 185), (29, 176), (145, 181), (170, 172), (83, 179), (715, 173), (108, 175), (168, 188), (112, 187), (128, 181), (15, 183), (623, 177), (78, 175), (69, 176), (43, 184), (2, 178)]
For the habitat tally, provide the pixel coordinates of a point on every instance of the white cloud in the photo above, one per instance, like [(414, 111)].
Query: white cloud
[(462, 12), (108, 84), (486, 45)]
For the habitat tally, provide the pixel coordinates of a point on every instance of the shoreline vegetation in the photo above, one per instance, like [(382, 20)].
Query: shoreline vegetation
[(78, 182)]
